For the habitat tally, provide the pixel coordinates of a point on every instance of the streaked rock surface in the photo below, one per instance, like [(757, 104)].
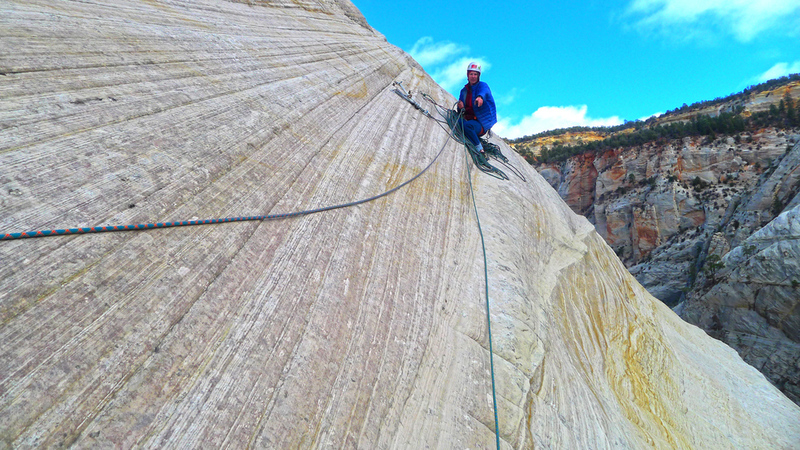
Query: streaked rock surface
[(360, 327), (752, 304), (658, 205)]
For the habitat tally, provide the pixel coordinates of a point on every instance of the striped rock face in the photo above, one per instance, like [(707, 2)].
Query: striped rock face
[(358, 327)]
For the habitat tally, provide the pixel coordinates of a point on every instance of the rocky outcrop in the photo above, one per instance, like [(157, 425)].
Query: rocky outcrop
[(753, 102), (359, 327), (752, 304), (659, 205), (672, 214)]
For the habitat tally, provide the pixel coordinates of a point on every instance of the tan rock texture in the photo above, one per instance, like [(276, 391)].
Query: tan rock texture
[(362, 327)]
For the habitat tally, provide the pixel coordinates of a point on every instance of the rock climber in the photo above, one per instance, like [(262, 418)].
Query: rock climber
[(480, 113)]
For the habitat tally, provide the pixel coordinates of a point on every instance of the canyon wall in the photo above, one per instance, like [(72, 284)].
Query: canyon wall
[(674, 211)]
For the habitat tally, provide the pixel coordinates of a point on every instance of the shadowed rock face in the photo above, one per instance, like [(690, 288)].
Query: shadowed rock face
[(359, 327), (752, 305)]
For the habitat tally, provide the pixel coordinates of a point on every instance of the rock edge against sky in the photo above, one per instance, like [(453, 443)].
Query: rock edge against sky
[(361, 327)]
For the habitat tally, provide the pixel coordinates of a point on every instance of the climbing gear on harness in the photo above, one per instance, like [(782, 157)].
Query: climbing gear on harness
[(493, 150), (450, 118), (407, 96)]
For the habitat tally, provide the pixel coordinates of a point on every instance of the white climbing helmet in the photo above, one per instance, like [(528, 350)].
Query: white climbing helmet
[(474, 67)]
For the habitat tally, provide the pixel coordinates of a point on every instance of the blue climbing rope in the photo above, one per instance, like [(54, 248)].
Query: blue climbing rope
[(452, 134), (486, 283), (150, 226), (459, 137), (488, 315)]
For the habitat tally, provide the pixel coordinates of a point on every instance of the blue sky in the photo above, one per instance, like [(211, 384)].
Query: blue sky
[(563, 63)]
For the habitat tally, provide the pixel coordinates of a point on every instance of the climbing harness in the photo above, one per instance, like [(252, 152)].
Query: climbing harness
[(451, 118)]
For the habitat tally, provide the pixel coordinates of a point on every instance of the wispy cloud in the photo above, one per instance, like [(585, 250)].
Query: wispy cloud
[(550, 118), (779, 70), (454, 75), (644, 119), (446, 61), (743, 19), (508, 98), (427, 52)]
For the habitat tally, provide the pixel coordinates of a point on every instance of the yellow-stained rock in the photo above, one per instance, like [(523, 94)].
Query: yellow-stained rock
[(362, 327)]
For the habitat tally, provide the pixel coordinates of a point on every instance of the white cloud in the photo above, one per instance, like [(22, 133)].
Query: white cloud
[(454, 75), (445, 61), (779, 70), (644, 119), (550, 118), (429, 53), (744, 19), (508, 98)]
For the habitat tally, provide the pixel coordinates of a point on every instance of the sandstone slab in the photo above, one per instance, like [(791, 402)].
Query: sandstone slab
[(362, 327)]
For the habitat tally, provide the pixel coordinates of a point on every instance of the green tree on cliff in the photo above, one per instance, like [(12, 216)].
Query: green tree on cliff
[(791, 111), (713, 265)]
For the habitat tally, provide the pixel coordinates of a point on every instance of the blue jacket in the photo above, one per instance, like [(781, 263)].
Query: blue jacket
[(486, 114)]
